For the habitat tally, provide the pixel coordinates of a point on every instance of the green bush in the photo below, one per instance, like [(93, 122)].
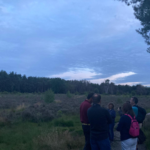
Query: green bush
[(49, 96), (78, 132), (59, 113), (69, 95), (63, 123)]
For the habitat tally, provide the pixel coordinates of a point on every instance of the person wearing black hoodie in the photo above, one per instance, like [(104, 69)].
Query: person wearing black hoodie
[(99, 119)]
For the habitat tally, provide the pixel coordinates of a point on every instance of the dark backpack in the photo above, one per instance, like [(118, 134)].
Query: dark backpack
[(141, 114), (141, 138)]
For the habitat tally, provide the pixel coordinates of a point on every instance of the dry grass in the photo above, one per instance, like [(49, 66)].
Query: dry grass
[(21, 107), (2, 119), (37, 104), (58, 141), (34, 108), (58, 101)]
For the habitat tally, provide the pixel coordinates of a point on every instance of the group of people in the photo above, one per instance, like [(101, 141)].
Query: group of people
[(98, 123)]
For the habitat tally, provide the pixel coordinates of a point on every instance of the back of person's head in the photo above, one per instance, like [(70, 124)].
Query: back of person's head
[(135, 99), (127, 109), (90, 95), (119, 109), (96, 98)]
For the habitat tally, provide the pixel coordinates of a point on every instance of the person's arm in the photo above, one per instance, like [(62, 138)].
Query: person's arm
[(120, 124), (109, 118), (80, 114), (87, 108), (113, 114), (88, 115)]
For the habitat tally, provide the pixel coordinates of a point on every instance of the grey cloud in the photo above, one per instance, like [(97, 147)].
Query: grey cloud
[(42, 38)]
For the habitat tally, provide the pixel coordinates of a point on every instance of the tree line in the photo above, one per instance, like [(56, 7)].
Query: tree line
[(13, 82)]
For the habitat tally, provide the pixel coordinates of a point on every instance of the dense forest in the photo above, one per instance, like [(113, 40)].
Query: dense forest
[(13, 82)]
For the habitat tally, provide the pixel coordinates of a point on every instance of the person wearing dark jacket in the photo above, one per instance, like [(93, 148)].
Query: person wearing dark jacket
[(120, 112), (85, 105), (111, 126), (139, 112), (127, 141), (133, 102), (99, 119)]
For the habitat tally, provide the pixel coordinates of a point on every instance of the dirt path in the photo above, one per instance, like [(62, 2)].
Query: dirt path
[(116, 145)]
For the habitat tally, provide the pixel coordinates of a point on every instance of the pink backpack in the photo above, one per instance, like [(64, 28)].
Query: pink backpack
[(134, 128)]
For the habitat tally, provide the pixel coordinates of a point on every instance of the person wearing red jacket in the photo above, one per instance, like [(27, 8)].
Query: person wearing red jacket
[(85, 105)]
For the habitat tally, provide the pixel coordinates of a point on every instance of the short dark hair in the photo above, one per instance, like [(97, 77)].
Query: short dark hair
[(96, 98), (112, 105), (135, 99), (90, 95), (119, 108)]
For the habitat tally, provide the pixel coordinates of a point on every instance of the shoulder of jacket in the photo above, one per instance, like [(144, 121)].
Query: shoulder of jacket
[(125, 116), (89, 109), (105, 110)]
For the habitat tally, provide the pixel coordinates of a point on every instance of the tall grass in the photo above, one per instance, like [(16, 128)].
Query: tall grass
[(63, 123), (64, 133), (39, 136), (58, 141)]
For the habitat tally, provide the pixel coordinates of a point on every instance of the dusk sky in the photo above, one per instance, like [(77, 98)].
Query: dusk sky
[(73, 39)]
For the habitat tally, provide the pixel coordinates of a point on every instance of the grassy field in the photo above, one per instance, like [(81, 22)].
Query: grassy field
[(28, 123), (64, 133)]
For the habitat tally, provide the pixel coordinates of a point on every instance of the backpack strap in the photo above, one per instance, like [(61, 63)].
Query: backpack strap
[(130, 116)]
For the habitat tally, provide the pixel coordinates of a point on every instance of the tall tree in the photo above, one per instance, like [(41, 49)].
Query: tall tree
[(106, 86), (142, 13)]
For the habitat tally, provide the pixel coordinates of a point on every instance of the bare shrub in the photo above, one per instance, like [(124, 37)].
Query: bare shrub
[(21, 107), (37, 114), (33, 107), (58, 101), (58, 141)]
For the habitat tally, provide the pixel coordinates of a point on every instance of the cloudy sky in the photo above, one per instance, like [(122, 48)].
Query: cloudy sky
[(73, 39)]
